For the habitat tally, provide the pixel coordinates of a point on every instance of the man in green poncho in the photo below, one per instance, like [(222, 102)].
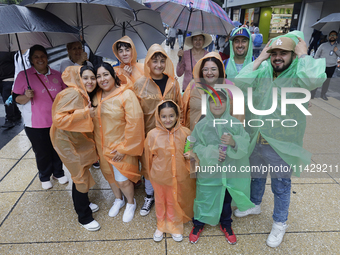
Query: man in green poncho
[(219, 176), (241, 52), (276, 145)]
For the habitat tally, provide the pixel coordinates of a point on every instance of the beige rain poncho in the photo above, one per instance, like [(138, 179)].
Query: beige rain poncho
[(137, 68), (170, 176), (72, 129), (118, 125)]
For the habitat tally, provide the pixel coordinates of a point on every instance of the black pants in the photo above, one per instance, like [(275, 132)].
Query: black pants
[(81, 204), (48, 161), (12, 112), (324, 89), (172, 41), (225, 218)]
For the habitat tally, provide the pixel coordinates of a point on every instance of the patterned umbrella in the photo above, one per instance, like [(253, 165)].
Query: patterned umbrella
[(193, 15)]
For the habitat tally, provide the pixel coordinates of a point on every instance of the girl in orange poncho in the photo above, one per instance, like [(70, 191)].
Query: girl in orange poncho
[(119, 136), (125, 51), (72, 137), (158, 84), (169, 172)]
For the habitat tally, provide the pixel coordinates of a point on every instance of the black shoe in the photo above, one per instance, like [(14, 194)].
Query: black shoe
[(149, 201), (324, 97), (8, 124), (96, 165)]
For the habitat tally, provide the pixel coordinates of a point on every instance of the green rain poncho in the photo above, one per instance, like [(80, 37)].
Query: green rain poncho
[(210, 188), (307, 73), (231, 70)]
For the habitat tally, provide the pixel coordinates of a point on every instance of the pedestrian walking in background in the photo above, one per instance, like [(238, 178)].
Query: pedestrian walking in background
[(331, 52), (172, 37)]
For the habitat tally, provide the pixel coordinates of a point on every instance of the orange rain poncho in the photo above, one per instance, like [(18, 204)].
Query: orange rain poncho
[(137, 68), (71, 131), (150, 95), (192, 96), (118, 125), (148, 92), (170, 176)]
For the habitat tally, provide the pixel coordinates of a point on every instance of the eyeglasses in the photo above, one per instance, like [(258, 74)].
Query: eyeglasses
[(206, 70), (332, 35)]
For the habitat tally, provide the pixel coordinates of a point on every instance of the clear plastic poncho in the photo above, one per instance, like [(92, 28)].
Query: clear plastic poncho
[(211, 187), (287, 141)]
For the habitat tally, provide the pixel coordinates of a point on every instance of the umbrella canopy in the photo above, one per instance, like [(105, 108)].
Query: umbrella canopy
[(81, 13), (32, 26), (201, 15), (145, 30), (328, 23)]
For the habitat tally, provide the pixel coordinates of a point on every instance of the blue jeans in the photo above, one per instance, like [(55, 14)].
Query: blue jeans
[(265, 155)]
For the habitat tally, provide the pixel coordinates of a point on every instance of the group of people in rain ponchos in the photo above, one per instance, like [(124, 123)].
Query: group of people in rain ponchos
[(137, 123)]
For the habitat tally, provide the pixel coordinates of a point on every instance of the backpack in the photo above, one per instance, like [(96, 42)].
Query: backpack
[(258, 40)]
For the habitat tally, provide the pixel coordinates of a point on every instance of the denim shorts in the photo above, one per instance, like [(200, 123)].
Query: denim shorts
[(118, 176)]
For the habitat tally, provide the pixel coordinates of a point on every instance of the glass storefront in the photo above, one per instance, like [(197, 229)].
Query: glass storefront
[(281, 20)]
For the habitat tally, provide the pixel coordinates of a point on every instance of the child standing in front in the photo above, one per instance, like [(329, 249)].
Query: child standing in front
[(158, 84), (169, 174), (216, 189)]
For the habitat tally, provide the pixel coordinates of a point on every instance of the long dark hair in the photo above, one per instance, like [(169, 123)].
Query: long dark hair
[(94, 92), (217, 62), (109, 68)]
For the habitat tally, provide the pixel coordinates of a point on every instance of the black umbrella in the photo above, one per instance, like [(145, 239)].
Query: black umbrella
[(31, 26), (81, 13)]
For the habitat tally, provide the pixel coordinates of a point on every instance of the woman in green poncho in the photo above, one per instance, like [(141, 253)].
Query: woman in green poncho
[(219, 176)]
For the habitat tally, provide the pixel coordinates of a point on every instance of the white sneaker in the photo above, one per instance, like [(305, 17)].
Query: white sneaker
[(177, 237), (158, 236), (61, 180), (92, 226), (253, 210), (119, 203), (94, 207), (129, 211), (46, 185), (276, 235)]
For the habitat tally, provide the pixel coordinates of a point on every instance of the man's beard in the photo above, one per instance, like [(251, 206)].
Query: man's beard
[(284, 67), (332, 40)]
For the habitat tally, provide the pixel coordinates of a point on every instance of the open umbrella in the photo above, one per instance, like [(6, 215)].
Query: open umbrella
[(145, 30), (81, 13), (31, 26), (328, 23), (190, 15)]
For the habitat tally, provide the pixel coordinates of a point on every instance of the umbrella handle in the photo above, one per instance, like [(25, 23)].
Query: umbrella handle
[(22, 61)]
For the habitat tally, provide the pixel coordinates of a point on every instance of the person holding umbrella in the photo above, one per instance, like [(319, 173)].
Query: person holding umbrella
[(196, 42), (125, 51), (37, 100)]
